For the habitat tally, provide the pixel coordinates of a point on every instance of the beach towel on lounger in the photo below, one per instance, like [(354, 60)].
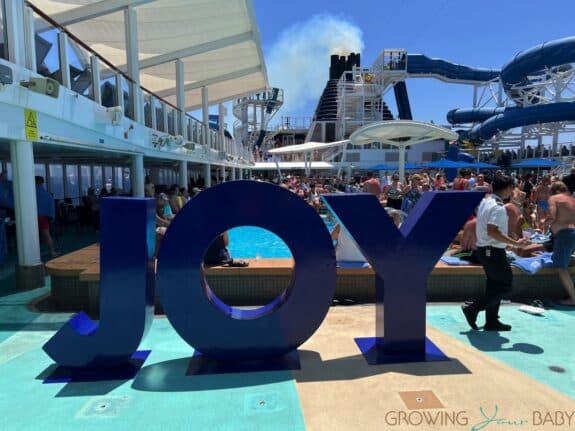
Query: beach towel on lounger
[(532, 265)]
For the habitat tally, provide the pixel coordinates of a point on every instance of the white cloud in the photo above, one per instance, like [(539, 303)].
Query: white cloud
[(299, 61)]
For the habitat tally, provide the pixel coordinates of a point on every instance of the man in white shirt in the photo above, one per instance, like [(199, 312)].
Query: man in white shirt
[(492, 239)]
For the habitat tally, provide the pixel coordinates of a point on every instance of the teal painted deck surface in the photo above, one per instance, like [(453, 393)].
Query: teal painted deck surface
[(535, 344), (161, 397)]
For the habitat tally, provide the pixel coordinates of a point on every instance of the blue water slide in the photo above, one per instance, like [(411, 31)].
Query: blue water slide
[(518, 117), (552, 56), (472, 115), (536, 60), (402, 99), (419, 64)]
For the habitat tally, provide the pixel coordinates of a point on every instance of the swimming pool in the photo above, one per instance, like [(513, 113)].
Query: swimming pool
[(250, 242)]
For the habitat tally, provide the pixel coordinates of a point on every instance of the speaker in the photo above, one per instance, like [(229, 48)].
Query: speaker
[(49, 87)]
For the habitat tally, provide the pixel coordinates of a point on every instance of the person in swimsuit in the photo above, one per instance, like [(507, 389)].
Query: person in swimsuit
[(541, 195), (392, 193), (562, 221)]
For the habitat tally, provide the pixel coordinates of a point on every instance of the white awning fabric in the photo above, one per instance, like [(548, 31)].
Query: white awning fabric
[(307, 147), (400, 133), (291, 165), (217, 40)]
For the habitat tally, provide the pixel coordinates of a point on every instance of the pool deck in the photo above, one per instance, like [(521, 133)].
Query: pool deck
[(75, 282)]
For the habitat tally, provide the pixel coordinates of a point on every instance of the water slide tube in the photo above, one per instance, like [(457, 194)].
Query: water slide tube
[(511, 118), (534, 61), (421, 65)]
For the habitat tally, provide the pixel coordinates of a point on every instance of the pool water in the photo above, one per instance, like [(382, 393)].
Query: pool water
[(250, 242)]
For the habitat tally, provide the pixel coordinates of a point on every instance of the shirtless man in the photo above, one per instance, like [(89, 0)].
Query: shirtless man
[(481, 185), (540, 196), (562, 221), (372, 185)]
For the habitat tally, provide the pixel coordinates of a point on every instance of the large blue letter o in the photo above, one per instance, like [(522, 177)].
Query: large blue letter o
[(218, 330)]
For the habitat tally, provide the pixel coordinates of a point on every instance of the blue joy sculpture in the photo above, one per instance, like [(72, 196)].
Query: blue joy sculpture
[(402, 260), (227, 333)]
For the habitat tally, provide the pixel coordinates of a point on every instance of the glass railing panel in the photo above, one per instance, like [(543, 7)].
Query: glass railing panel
[(147, 99), (47, 50), (159, 107), (80, 70), (128, 108), (107, 86), (171, 121)]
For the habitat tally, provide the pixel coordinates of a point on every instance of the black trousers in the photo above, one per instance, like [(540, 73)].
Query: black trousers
[(499, 281)]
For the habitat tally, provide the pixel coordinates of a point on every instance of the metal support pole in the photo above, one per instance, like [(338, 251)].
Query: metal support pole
[(206, 118), (137, 175), (119, 92), (221, 128), (95, 66), (208, 174), (133, 62), (29, 270), (181, 99), (183, 174), (153, 112), (30, 39), (15, 32), (64, 61), (402, 151)]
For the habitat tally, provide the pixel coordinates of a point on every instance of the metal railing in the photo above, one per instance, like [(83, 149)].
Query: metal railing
[(114, 89)]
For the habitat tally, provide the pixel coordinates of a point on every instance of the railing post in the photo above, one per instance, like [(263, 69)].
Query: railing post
[(64, 61), (95, 66)]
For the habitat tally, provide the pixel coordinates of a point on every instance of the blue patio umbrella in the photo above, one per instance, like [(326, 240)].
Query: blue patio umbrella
[(447, 164), (381, 167), (384, 167), (483, 165), (536, 164)]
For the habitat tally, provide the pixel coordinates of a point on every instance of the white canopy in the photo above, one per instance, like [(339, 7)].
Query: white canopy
[(401, 133), (217, 40), (307, 147), (292, 165)]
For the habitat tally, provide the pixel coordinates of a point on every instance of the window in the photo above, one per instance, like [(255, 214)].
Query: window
[(72, 187), (3, 35), (86, 179), (40, 170), (118, 178), (98, 180), (108, 178), (56, 181), (126, 179)]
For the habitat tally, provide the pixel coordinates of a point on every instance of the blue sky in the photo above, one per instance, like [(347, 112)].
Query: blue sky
[(296, 34)]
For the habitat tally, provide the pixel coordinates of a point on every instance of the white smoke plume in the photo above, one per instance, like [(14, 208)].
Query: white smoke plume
[(299, 61)]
